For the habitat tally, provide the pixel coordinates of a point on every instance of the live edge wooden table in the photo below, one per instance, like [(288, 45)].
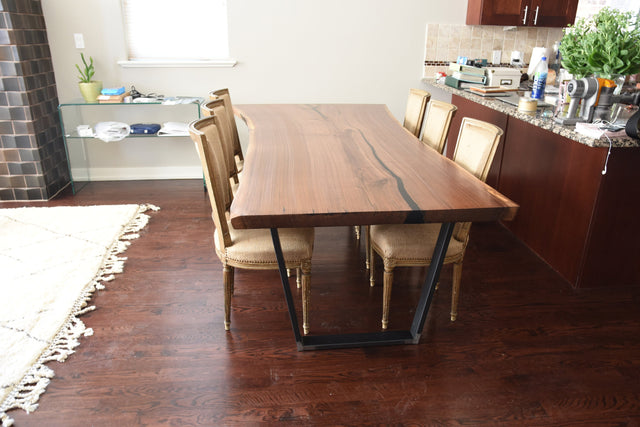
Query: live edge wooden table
[(345, 165)]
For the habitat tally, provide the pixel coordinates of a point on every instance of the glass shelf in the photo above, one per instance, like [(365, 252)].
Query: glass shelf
[(86, 153)]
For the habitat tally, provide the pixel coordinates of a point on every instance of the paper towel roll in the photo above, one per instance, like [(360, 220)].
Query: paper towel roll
[(536, 55)]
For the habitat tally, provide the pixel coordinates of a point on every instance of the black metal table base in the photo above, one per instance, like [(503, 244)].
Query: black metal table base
[(411, 336)]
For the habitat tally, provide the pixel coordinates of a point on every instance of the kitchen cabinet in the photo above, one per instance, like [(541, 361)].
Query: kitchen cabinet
[(538, 13), (582, 222)]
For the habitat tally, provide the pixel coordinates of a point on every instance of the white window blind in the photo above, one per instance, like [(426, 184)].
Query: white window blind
[(171, 30), (588, 8)]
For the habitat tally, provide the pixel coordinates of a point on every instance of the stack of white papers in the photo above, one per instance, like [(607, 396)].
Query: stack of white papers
[(596, 130)]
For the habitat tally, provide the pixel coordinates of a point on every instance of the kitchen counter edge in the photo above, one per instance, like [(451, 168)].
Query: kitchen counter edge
[(542, 122)]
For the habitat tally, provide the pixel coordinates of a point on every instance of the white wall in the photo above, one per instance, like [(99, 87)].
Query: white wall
[(351, 51)]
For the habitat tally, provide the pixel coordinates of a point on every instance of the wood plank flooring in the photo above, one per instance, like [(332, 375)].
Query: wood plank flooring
[(527, 349)]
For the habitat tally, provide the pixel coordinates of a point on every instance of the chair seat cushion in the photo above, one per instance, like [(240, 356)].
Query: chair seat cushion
[(411, 243), (256, 247)]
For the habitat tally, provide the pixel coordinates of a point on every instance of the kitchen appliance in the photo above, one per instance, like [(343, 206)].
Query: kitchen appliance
[(597, 98), (517, 58)]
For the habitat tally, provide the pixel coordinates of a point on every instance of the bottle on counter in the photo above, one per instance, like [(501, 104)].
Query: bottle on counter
[(540, 79)]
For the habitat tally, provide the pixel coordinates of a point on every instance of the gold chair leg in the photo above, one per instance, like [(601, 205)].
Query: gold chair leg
[(372, 266), (367, 244), (455, 289), (386, 292), (298, 280), (357, 230), (288, 272), (306, 294), (227, 279)]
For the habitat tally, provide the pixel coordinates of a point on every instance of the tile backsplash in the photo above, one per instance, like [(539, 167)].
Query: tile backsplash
[(445, 42)]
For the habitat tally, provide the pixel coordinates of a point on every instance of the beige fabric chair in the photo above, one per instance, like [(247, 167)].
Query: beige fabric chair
[(416, 107), (217, 107), (237, 148), (413, 118), (249, 249), (437, 123), (412, 244), (436, 130)]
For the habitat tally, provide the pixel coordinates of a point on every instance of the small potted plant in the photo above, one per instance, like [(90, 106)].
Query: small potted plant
[(89, 88), (607, 45)]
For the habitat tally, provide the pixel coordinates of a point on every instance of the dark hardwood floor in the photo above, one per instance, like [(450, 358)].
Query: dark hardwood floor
[(527, 349)]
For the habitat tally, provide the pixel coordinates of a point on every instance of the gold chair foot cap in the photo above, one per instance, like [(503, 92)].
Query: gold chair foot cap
[(305, 329), (227, 326), (384, 325), (454, 317)]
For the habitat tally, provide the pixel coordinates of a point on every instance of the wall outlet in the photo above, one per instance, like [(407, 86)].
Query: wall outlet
[(78, 38), (495, 58)]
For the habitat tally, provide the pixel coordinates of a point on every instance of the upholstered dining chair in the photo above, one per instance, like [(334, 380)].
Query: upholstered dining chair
[(413, 118), (237, 148), (416, 107), (245, 248), (436, 130), (412, 244), (436, 125), (217, 107)]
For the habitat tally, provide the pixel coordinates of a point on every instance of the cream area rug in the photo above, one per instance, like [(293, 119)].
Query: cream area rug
[(51, 261)]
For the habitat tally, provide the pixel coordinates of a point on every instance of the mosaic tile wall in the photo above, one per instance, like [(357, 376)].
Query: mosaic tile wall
[(33, 163), (445, 42)]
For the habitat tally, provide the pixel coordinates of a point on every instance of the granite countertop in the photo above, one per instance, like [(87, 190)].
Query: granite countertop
[(537, 120)]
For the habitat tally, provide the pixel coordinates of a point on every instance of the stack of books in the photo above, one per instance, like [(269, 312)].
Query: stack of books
[(464, 76), (112, 95), (112, 99)]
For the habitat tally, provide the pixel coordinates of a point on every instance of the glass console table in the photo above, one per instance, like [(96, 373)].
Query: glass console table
[(86, 154)]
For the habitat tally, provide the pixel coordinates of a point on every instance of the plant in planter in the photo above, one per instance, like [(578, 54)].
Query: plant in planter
[(89, 88), (606, 45)]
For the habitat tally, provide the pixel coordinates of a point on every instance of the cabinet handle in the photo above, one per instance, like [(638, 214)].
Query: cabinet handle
[(535, 18), (524, 20)]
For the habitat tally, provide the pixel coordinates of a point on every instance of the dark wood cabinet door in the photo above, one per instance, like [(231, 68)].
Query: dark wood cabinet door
[(539, 13), (496, 12), (555, 13)]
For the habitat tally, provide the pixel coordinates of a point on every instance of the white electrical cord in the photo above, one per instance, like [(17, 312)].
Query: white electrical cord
[(604, 124)]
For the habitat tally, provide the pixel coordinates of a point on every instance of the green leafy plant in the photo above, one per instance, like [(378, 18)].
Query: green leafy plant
[(87, 72), (607, 45)]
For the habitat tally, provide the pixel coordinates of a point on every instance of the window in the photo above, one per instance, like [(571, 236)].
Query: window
[(170, 32), (587, 8)]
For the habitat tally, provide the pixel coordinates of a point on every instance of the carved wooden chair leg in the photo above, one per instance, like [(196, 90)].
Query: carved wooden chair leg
[(455, 289), (227, 279), (357, 230), (386, 292), (298, 278), (306, 294), (233, 280)]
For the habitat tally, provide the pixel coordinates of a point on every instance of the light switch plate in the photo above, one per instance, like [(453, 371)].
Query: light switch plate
[(78, 38)]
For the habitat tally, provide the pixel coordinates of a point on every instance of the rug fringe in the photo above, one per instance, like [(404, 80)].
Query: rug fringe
[(26, 394)]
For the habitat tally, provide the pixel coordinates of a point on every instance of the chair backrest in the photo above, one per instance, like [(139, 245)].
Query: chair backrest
[(416, 106), (216, 107), (475, 149), (437, 123), (204, 132), (226, 97)]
